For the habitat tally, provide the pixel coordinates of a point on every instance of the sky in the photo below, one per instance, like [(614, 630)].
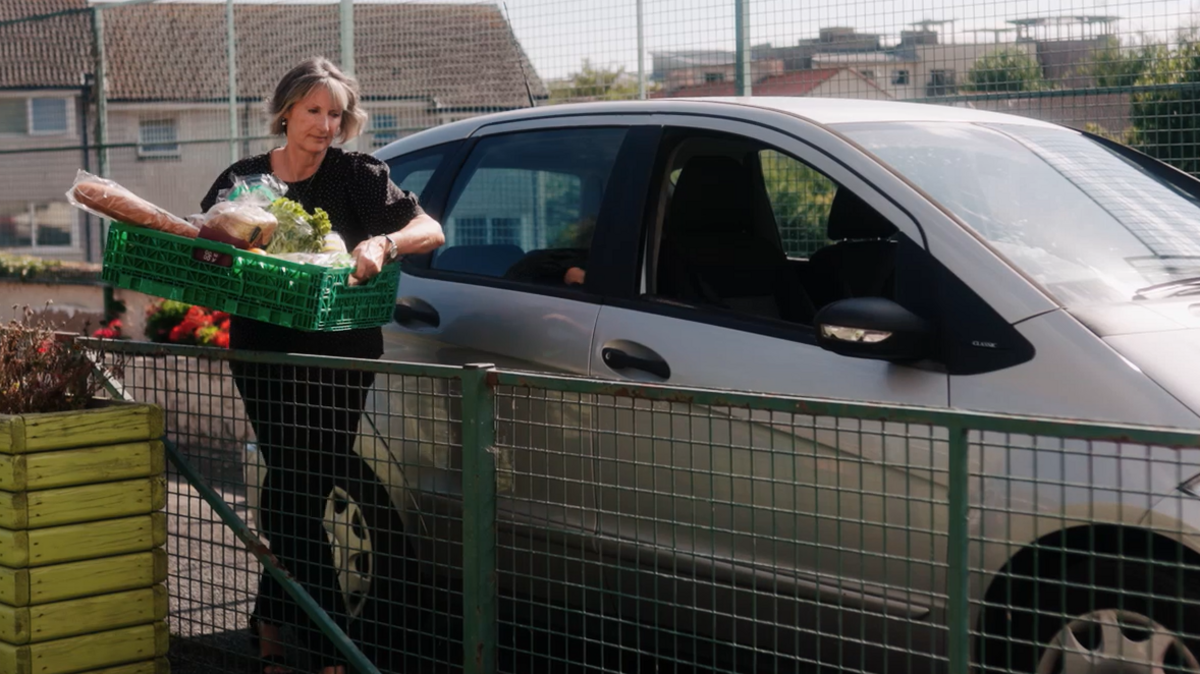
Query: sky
[(559, 34)]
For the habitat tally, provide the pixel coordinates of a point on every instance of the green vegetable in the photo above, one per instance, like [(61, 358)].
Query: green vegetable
[(298, 232)]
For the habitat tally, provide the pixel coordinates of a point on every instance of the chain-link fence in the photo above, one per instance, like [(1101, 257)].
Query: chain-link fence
[(162, 95), (495, 521)]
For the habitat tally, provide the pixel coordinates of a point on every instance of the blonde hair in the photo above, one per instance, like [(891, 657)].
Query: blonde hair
[(302, 79)]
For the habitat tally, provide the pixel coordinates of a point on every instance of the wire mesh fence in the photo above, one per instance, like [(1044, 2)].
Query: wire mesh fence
[(535, 523), (163, 95)]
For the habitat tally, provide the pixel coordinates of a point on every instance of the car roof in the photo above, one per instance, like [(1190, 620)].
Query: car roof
[(824, 111)]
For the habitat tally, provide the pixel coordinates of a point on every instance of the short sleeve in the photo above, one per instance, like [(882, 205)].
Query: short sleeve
[(382, 207)]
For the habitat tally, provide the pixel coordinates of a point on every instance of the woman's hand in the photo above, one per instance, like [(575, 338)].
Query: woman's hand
[(421, 235), (369, 257), (574, 276)]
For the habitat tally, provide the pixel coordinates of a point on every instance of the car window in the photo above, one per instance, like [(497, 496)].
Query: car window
[(525, 205), (412, 172), (800, 199), (748, 229)]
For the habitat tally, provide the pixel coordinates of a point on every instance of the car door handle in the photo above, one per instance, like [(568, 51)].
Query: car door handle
[(620, 360), (411, 310)]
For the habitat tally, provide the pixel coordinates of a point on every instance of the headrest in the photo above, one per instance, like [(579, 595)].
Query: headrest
[(851, 218), (711, 195)]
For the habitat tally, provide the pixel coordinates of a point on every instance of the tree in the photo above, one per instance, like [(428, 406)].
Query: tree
[(1164, 110), (1005, 70), (595, 84), (1116, 68), (801, 198)]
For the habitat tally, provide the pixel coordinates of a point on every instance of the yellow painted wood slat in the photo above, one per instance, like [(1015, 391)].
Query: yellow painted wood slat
[(73, 542), (108, 423), (87, 652), (46, 584), (155, 666), (90, 465), (35, 624), (86, 503)]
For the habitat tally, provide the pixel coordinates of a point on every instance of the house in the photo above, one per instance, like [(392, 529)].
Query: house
[(418, 65), (43, 94), (892, 72)]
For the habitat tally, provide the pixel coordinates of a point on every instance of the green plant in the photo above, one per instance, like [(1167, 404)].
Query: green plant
[(298, 231), (1005, 70), (45, 371), (25, 266), (1164, 114)]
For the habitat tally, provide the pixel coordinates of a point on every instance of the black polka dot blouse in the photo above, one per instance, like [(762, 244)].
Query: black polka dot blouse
[(356, 190)]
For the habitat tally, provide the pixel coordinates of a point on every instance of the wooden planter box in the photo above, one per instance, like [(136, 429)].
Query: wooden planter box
[(107, 423), (82, 564), (142, 644)]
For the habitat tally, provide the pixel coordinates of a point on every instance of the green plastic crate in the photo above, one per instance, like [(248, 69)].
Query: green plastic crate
[(291, 294)]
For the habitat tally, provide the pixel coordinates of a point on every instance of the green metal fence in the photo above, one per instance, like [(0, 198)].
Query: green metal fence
[(550, 523)]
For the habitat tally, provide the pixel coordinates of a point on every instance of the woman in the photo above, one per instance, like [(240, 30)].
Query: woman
[(306, 418)]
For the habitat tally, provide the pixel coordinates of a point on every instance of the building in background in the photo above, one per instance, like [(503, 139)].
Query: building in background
[(921, 64)]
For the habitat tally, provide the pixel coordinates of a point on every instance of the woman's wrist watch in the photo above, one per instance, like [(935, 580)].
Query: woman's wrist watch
[(392, 251)]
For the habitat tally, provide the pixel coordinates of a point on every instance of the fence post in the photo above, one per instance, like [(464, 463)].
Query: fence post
[(100, 66), (957, 585), (479, 522), (741, 29), (231, 57), (641, 41)]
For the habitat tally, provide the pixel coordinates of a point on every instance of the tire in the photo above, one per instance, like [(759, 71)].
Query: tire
[(369, 550), (1109, 617)]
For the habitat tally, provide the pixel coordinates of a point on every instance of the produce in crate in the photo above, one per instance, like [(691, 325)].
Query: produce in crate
[(107, 199), (239, 224), (240, 218), (302, 237), (298, 231)]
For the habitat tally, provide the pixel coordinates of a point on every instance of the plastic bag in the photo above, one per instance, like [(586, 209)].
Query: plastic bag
[(258, 189), (241, 216), (244, 224), (107, 199)]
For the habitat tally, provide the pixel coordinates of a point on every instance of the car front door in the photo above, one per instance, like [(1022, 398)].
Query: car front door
[(703, 505)]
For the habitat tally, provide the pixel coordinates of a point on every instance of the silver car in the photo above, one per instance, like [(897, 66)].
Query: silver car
[(768, 244)]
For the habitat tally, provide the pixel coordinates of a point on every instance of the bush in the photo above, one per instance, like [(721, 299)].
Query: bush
[(42, 371), (1165, 118), (1005, 70)]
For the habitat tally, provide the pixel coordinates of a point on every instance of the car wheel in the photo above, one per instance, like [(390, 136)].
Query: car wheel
[(368, 547), (1117, 618)]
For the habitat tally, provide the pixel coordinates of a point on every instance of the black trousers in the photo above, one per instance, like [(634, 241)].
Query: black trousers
[(305, 419)]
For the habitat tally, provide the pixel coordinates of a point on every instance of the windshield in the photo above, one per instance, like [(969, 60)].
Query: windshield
[(1089, 225)]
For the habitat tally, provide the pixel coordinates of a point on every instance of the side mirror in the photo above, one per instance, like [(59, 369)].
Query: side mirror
[(873, 327)]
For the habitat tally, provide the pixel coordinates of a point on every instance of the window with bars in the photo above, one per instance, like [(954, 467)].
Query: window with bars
[(158, 138)]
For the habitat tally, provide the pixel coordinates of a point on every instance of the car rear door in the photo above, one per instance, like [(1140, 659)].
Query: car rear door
[(529, 203)]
